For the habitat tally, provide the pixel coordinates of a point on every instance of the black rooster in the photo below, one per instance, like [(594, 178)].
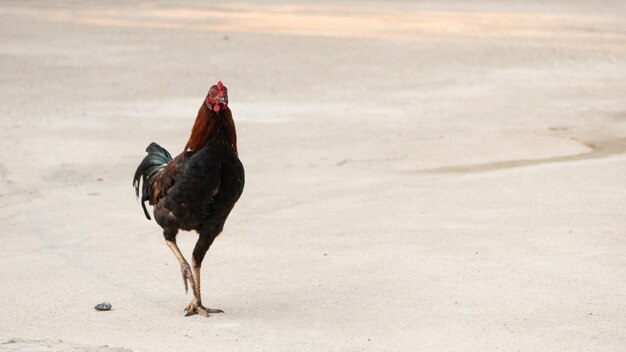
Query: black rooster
[(197, 189)]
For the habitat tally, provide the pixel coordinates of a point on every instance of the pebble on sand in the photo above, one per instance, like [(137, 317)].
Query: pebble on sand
[(103, 306)]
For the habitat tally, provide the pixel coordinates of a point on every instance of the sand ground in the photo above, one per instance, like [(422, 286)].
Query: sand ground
[(432, 176)]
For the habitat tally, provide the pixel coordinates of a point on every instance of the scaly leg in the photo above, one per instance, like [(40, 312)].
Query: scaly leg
[(184, 266), (196, 307), (166, 219)]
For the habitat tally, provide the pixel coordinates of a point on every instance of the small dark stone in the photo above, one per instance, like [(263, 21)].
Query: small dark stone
[(103, 306)]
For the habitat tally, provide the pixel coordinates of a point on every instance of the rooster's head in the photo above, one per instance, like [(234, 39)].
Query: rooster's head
[(217, 98)]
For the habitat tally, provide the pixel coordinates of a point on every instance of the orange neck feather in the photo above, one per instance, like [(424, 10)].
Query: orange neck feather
[(205, 126)]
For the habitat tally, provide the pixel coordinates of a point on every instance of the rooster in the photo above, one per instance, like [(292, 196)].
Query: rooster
[(197, 189)]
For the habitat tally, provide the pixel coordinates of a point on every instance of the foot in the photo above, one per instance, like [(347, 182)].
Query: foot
[(187, 276), (195, 308)]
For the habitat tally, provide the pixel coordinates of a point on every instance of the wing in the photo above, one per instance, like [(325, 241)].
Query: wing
[(168, 177)]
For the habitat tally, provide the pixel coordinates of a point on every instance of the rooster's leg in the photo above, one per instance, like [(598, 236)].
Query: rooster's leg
[(196, 307), (169, 223), (184, 266)]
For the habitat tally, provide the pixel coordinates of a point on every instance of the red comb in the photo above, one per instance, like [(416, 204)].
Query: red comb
[(220, 87)]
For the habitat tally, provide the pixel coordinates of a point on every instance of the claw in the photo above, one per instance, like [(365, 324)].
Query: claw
[(195, 308)]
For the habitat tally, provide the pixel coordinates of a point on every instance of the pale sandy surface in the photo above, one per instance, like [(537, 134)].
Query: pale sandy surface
[(441, 176)]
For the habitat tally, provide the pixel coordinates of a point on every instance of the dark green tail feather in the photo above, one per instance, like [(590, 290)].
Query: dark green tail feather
[(152, 164)]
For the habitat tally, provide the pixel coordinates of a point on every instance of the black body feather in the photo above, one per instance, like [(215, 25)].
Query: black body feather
[(204, 188)]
